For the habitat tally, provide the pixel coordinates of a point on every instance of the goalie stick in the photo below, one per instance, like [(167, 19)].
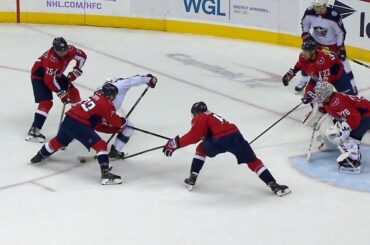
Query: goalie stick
[(312, 137)]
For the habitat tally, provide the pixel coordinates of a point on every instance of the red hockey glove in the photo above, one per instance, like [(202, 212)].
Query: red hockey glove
[(288, 76), (75, 73), (63, 96), (342, 53), (171, 146), (124, 123), (308, 97), (153, 81)]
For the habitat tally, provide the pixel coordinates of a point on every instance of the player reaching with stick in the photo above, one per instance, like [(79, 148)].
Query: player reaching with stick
[(219, 136)]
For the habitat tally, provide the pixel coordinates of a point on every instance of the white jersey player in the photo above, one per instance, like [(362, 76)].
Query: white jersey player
[(324, 24), (123, 85)]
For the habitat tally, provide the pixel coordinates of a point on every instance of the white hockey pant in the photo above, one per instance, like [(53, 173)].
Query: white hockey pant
[(123, 137)]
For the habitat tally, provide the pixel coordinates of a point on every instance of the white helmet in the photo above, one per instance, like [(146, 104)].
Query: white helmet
[(110, 80), (319, 2), (323, 90)]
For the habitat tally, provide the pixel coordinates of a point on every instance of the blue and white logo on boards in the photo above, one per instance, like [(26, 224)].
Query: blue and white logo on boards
[(209, 7)]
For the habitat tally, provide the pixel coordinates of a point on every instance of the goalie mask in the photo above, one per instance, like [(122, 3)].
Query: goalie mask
[(323, 91)]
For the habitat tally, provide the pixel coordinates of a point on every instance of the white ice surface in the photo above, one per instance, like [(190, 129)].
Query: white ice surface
[(62, 202)]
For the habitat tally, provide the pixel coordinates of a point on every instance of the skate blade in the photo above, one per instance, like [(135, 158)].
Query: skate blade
[(281, 193), (35, 140), (111, 182), (189, 187), (350, 170)]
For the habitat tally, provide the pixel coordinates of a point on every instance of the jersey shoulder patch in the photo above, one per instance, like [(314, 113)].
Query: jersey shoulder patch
[(334, 13)]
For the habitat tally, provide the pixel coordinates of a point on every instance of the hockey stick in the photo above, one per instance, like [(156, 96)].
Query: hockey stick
[(276, 122), (360, 63), (84, 159), (142, 152), (62, 116), (132, 109), (312, 136), (147, 132)]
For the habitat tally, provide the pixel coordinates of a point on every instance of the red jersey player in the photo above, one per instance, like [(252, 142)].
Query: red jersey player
[(320, 66), (79, 124), (323, 24), (219, 136), (353, 115), (47, 77)]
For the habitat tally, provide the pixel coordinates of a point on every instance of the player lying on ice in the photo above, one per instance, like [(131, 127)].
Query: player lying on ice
[(353, 120), (123, 85), (79, 124), (219, 136)]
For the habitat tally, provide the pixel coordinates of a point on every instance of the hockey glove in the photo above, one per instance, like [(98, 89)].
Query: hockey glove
[(124, 123), (338, 133), (153, 81), (63, 96), (308, 97), (342, 53), (306, 36), (288, 76), (74, 74), (171, 146)]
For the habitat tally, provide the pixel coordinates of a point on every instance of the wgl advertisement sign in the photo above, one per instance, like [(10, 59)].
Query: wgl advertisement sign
[(208, 7)]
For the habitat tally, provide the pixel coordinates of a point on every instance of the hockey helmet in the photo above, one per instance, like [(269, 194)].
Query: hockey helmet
[(109, 89), (198, 107), (323, 91), (60, 44), (309, 45), (319, 3), (110, 80)]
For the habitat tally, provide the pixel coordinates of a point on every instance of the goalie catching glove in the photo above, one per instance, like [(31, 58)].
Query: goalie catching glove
[(338, 133), (171, 146)]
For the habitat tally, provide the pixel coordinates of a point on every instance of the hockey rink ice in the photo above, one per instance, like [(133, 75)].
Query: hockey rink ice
[(63, 202)]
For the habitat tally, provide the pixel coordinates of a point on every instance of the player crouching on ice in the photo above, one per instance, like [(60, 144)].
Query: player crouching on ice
[(78, 124), (219, 136), (123, 85), (353, 115)]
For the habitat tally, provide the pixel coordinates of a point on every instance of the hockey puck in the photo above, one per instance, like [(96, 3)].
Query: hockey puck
[(82, 160)]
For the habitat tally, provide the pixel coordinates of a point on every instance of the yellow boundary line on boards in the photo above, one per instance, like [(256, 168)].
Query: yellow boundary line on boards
[(170, 26)]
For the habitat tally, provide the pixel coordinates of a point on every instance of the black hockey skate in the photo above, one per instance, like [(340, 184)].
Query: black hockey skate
[(115, 154), (190, 182), (107, 178), (35, 135), (349, 166), (38, 158), (279, 190)]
